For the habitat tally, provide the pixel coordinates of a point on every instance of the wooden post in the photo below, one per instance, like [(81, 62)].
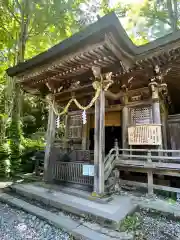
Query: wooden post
[(156, 112), (150, 175), (125, 122), (101, 143), (96, 145), (156, 107), (164, 117), (50, 135), (99, 147)]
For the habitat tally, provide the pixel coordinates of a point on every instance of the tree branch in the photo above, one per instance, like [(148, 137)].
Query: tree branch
[(11, 13)]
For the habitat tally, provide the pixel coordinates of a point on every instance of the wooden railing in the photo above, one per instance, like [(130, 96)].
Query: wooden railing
[(71, 172), (150, 155), (164, 162)]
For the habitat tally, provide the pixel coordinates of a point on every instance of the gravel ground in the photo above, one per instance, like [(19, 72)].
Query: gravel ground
[(18, 225), (155, 226)]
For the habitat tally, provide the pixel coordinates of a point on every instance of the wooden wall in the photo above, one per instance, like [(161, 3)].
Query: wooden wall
[(111, 119), (174, 131)]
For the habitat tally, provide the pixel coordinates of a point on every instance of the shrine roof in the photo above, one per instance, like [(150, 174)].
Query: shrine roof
[(105, 44), (92, 34)]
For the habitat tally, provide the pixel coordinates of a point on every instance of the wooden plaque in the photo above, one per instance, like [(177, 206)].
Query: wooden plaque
[(149, 134)]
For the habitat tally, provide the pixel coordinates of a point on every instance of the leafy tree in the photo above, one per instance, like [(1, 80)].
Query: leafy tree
[(152, 19), (28, 28)]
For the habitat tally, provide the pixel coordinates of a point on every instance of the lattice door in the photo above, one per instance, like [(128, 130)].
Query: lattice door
[(75, 127), (141, 115)]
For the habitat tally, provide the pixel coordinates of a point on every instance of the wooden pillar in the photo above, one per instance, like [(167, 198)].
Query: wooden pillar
[(156, 112), (155, 105), (50, 136), (96, 145), (102, 142), (164, 117), (99, 147), (125, 122), (150, 175)]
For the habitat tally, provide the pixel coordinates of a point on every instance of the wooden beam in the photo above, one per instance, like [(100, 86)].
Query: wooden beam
[(163, 172), (69, 90), (50, 136), (144, 185)]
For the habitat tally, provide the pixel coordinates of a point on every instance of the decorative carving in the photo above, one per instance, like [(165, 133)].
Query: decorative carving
[(113, 182), (96, 71), (136, 98), (156, 83), (75, 84)]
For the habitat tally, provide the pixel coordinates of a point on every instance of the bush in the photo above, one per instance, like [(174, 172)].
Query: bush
[(30, 148), (4, 160)]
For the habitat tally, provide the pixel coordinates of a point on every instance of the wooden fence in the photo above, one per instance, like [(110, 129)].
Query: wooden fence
[(71, 172), (160, 162)]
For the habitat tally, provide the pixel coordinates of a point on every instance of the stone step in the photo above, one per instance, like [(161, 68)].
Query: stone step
[(75, 192), (111, 213), (75, 228)]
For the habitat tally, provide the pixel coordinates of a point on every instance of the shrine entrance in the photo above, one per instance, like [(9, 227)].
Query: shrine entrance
[(111, 133)]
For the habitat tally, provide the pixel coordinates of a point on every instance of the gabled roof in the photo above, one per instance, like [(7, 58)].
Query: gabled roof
[(72, 58)]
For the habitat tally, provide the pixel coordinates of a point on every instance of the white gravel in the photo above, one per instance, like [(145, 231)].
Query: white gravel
[(18, 225), (158, 227)]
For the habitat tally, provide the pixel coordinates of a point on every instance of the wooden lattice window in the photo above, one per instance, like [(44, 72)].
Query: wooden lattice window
[(75, 127), (141, 115)]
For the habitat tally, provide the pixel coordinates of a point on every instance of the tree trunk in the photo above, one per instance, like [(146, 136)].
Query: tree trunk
[(15, 128), (172, 12)]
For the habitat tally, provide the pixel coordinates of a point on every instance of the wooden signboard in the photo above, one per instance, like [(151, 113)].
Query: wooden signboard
[(146, 134)]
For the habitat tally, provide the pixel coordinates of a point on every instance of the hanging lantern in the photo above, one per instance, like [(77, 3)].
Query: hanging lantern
[(84, 117)]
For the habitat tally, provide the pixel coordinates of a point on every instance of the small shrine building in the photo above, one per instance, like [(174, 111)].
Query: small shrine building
[(108, 91)]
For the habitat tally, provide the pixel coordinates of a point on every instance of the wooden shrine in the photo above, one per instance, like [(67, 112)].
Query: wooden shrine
[(104, 88)]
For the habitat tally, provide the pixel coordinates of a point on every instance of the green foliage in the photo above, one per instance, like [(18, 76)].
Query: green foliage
[(131, 223), (15, 146), (4, 160), (150, 19), (29, 148)]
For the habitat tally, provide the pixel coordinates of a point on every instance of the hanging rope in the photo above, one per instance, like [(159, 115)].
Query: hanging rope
[(98, 86)]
